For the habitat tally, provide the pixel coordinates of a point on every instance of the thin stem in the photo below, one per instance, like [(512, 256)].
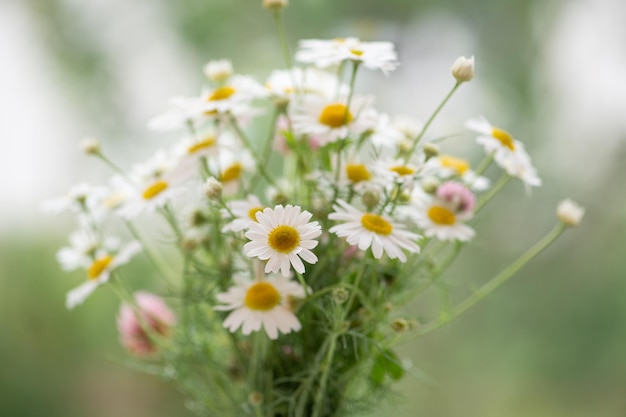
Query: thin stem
[(154, 259), (113, 166), (494, 190), (484, 164), (260, 163), (282, 36), (268, 145), (429, 122), (497, 281)]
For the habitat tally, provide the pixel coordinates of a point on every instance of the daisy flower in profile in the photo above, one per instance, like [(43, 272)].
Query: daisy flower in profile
[(81, 198), (508, 153), (244, 212), (262, 302), (280, 83), (218, 70), (282, 236), (98, 259), (230, 167), (331, 121), (446, 166), (239, 89), (397, 171), (154, 314), (373, 230), (326, 53), (444, 215)]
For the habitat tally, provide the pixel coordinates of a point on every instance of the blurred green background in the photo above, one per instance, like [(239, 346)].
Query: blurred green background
[(549, 343)]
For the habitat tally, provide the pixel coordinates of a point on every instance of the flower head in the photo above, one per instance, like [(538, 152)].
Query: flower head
[(282, 236), (373, 230), (218, 70), (153, 313), (570, 213), (463, 69), (262, 302)]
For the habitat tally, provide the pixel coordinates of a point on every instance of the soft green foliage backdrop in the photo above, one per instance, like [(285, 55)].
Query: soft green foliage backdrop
[(550, 343)]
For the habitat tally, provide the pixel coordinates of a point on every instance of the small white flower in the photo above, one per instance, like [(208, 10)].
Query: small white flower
[(280, 83), (463, 69), (91, 146), (262, 302), (99, 261), (446, 166), (369, 229), (79, 199), (182, 112), (282, 236), (230, 167), (244, 211), (218, 70), (570, 213), (386, 133), (508, 153), (240, 90), (331, 121), (326, 53), (397, 171)]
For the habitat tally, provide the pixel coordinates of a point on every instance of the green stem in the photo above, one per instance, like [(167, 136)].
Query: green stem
[(429, 122), (497, 281), (492, 192), (484, 164), (156, 261), (260, 164), (268, 145), (282, 36)]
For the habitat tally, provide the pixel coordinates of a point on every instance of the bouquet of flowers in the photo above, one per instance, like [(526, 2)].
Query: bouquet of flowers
[(290, 255)]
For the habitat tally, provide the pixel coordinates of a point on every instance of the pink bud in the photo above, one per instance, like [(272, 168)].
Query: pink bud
[(458, 195)]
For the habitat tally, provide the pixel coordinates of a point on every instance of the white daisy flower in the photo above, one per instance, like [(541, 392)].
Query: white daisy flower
[(570, 212), (369, 229), (244, 211), (386, 134), (282, 236), (331, 121), (155, 183), (81, 198), (508, 153), (446, 166), (99, 261), (326, 53), (240, 89), (262, 302), (444, 215), (230, 167), (181, 112), (218, 70), (189, 151), (397, 171), (280, 83)]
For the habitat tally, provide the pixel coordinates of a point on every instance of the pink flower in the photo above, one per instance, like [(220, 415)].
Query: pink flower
[(457, 195), (154, 313)]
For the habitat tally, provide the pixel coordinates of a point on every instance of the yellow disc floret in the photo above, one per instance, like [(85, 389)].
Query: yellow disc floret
[(504, 138), (441, 215), (283, 239), (335, 115), (356, 52), (98, 266), (253, 211), (461, 166), (222, 93), (357, 172), (262, 296), (155, 189), (402, 170), (377, 224), (232, 173), (198, 146)]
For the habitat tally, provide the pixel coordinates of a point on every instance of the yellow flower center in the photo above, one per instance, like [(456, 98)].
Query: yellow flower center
[(98, 266), (335, 115), (155, 189), (253, 211), (262, 296), (356, 52), (504, 137), (283, 239), (461, 166), (402, 170), (232, 173), (377, 224), (222, 93), (198, 146), (441, 215), (357, 172)]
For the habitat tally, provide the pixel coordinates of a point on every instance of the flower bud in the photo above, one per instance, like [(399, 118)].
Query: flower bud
[(91, 146), (431, 150), (213, 188), (463, 69), (570, 213), (255, 398), (275, 4), (340, 295), (430, 184), (370, 198), (218, 70), (400, 325)]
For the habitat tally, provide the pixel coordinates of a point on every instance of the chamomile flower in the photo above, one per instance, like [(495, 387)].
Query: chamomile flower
[(445, 214), (244, 212), (326, 53), (386, 134), (398, 171), (373, 230), (99, 261), (261, 303), (282, 236), (230, 167), (280, 83), (181, 112), (155, 182), (218, 70), (331, 121), (446, 166), (81, 198), (240, 89), (508, 153)]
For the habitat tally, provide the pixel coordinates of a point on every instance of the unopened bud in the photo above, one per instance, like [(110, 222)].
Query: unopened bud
[(431, 150), (91, 146), (255, 398), (405, 146), (371, 199), (570, 213), (400, 325), (219, 70), (280, 199), (275, 4), (463, 69), (430, 184), (340, 295), (213, 188)]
